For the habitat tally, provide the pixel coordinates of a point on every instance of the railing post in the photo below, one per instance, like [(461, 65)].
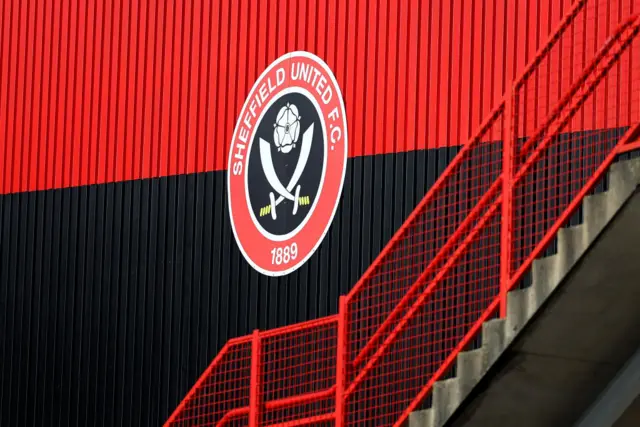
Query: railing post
[(254, 393), (341, 362), (509, 150)]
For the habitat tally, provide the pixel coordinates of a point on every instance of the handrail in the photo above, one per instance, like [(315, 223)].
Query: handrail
[(334, 396), (591, 76), (257, 343), (444, 252), (323, 321), (566, 99), (540, 55), (542, 52), (234, 413), (276, 404), (589, 79), (302, 398), (205, 375), (422, 297), (426, 199), (359, 358)]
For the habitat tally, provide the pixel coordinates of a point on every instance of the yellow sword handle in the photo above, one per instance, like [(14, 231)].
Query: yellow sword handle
[(302, 201)]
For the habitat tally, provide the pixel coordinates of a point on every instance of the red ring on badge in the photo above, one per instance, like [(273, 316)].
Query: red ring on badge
[(276, 257)]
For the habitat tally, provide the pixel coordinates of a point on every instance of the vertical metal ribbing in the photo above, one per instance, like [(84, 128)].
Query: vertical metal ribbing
[(254, 395)]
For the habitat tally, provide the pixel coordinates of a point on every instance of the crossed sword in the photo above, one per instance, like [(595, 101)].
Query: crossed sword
[(274, 181)]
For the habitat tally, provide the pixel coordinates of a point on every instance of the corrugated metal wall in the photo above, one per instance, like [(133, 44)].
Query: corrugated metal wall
[(103, 91), (115, 295)]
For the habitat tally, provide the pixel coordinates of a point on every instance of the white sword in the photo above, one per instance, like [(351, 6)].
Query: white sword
[(272, 177)]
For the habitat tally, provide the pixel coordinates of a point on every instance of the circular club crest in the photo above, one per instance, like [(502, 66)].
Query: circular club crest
[(287, 163)]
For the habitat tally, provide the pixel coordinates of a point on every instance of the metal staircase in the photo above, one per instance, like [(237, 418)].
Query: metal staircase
[(522, 304), (448, 293)]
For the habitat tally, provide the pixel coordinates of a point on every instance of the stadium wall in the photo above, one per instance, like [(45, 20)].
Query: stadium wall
[(119, 275)]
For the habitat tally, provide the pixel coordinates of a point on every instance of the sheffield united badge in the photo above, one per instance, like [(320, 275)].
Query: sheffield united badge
[(287, 163)]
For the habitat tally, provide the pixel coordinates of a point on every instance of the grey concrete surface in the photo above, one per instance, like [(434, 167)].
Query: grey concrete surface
[(630, 417), (616, 398), (559, 346), (576, 344)]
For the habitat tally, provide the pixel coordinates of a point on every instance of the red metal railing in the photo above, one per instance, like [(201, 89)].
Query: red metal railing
[(432, 229), (221, 395), (268, 378), (472, 238)]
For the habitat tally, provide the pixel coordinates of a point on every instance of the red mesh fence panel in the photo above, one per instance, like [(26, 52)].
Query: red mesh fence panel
[(429, 333), (221, 396), (386, 291), (424, 299), (561, 162), (299, 371), (547, 80)]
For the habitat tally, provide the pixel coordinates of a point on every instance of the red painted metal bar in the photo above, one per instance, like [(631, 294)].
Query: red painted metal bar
[(311, 324), (425, 200), (254, 396), (234, 413), (306, 421), (307, 398), (365, 370), (631, 134), (578, 84), (498, 202), (198, 383), (410, 296), (341, 370), (205, 375), (302, 398), (629, 147), (509, 148), (589, 81)]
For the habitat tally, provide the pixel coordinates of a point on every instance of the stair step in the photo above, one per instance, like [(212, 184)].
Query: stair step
[(518, 312), (424, 418), (494, 340), (572, 244), (624, 178), (599, 209), (471, 366), (446, 398), (545, 275), (522, 304)]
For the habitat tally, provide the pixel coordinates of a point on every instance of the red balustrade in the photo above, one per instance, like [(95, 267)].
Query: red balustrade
[(448, 269)]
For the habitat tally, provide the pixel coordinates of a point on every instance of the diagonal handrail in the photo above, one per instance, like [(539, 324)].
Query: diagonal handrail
[(246, 402), (362, 354), (564, 24), (448, 246), (577, 95), (483, 214), (189, 398), (571, 103), (608, 55)]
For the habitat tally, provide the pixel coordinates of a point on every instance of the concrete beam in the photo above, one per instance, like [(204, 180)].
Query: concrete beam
[(616, 397)]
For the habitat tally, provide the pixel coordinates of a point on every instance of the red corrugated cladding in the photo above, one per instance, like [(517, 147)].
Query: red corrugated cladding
[(102, 91)]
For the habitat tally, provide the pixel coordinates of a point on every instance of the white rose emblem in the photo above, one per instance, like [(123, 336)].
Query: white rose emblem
[(286, 128)]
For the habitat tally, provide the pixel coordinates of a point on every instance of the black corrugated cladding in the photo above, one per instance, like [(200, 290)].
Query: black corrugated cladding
[(115, 297)]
